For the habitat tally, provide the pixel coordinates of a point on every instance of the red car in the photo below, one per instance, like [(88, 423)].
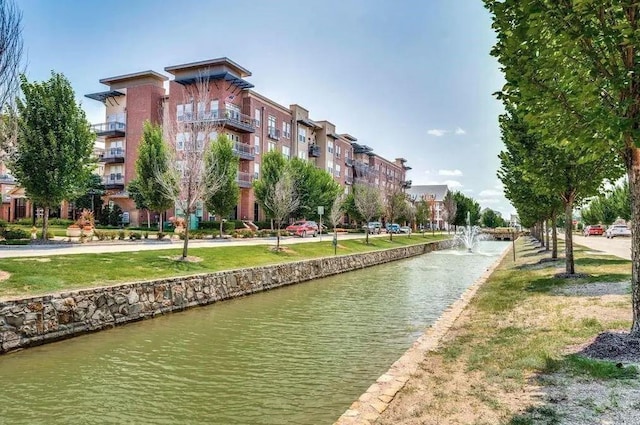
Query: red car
[(303, 228), (594, 229)]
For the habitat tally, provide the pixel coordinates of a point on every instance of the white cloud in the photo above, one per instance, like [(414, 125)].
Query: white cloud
[(456, 173), (452, 184), (459, 131), (490, 193), (488, 201), (468, 191), (436, 132)]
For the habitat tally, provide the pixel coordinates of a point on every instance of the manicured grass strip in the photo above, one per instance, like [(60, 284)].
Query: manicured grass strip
[(40, 275)]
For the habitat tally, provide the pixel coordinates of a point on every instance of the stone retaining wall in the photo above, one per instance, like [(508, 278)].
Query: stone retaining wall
[(39, 320)]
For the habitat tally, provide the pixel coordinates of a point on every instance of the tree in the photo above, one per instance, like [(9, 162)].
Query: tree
[(272, 167), (422, 214), (315, 186), (335, 216), (393, 204), (368, 203), (350, 208), (135, 192), (221, 161), (585, 58), (152, 161), (465, 204), (450, 207), (188, 182), (91, 196), (11, 52), (491, 219), (281, 201), (54, 145)]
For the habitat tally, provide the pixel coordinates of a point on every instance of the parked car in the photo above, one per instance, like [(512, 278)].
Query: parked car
[(393, 228), (303, 228), (374, 227), (405, 229), (594, 229), (617, 230)]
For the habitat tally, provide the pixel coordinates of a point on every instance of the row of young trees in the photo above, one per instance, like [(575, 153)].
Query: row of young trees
[(572, 100), (608, 207)]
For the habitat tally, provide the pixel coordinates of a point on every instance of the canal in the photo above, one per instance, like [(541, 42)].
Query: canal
[(297, 355)]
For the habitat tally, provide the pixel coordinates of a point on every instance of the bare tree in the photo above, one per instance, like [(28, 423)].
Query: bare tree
[(11, 66), (368, 203), (282, 200), (410, 213), (394, 202), (336, 214), (188, 182)]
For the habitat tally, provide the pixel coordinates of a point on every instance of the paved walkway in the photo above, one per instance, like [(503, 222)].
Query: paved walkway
[(151, 245)]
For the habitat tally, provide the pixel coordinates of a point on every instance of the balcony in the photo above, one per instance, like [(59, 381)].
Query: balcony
[(406, 184), (348, 180), (113, 181), (245, 180), (274, 133), (112, 156), (314, 151), (244, 151), (349, 162), (110, 129), (229, 118)]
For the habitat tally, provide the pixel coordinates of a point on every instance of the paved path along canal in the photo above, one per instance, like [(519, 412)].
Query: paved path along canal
[(296, 355), (620, 247)]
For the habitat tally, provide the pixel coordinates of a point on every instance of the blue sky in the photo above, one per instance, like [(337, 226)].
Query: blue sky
[(410, 78)]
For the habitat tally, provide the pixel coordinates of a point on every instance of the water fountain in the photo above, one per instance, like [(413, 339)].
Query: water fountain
[(469, 235)]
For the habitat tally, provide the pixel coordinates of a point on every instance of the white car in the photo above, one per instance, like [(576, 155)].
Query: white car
[(617, 230)]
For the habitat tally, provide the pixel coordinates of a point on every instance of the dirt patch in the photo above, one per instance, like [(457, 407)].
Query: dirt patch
[(593, 289), (189, 259), (283, 248), (38, 259), (614, 346), (545, 263), (4, 275)]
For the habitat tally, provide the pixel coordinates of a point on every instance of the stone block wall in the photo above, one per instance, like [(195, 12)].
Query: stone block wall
[(37, 320)]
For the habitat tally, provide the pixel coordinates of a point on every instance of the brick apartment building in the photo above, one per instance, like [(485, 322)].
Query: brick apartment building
[(253, 122)]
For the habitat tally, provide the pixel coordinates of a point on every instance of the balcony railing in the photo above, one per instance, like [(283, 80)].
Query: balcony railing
[(274, 133), (245, 179), (348, 180), (113, 181), (113, 128), (314, 150), (244, 151), (348, 162), (228, 117), (406, 184), (112, 155)]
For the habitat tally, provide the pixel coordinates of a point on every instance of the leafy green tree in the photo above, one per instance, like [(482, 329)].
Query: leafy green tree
[(221, 161), (351, 209), (153, 160), (90, 198), (465, 204), (584, 55), (272, 167), (52, 160), (315, 188), (491, 219), (135, 193)]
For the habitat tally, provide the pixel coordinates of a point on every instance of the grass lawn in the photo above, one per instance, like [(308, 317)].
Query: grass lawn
[(40, 275), (523, 323)]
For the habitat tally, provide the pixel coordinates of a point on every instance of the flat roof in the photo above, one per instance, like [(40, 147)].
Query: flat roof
[(243, 72), (134, 76)]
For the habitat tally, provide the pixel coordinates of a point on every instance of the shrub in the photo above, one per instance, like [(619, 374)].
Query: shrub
[(135, 236), (228, 226), (160, 235), (50, 234), (122, 235), (146, 235), (14, 233), (100, 234), (265, 225), (3, 224)]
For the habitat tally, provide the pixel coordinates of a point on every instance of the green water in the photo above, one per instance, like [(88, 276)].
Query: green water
[(297, 355)]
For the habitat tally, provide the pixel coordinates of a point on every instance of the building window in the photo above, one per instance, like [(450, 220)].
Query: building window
[(182, 139), (256, 171), (330, 167), (233, 111), (233, 137), (256, 141), (213, 136), (200, 141), (338, 151), (286, 130), (258, 117), (214, 109), (201, 107), (302, 135), (272, 124), (185, 112), (337, 170), (302, 154), (330, 147), (271, 147), (286, 152)]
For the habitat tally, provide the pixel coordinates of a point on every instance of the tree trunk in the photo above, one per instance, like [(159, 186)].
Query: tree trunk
[(541, 233), (221, 227), (568, 249), (277, 236), (366, 233), (160, 223), (185, 245), (148, 219), (554, 236), (633, 171), (546, 232), (45, 223)]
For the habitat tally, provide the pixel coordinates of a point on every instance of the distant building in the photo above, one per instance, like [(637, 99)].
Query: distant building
[(436, 192)]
